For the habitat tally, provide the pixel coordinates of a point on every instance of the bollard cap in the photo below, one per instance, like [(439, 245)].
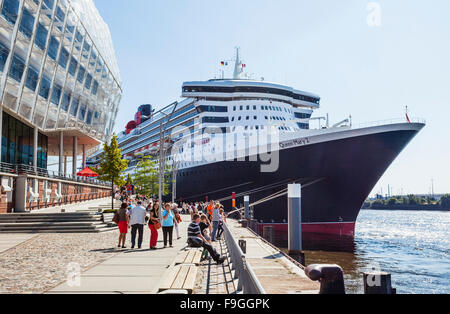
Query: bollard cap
[(294, 191)]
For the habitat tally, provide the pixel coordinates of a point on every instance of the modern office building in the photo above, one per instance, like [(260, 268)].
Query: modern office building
[(60, 85)]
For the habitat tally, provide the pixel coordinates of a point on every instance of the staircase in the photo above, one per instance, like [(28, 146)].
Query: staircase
[(89, 221)]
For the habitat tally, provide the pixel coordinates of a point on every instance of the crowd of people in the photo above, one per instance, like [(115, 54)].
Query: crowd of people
[(137, 211)]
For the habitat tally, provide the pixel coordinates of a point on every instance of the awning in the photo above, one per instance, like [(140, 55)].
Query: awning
[(87, 172)]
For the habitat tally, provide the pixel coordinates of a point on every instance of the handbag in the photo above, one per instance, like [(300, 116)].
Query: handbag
[(178, 217), (157, 225), (116, 218)]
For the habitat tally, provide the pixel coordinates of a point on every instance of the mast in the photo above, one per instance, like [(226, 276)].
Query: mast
[(237, 66)]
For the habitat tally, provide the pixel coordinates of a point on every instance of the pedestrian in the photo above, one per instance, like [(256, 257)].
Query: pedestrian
[(153, 223), (223, 219), (124, 218), (205, 228), (215, 222), (167, 225), (196, 239), (177, 220), (137, 222)]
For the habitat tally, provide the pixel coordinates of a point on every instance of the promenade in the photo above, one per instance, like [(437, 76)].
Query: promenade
[(129, 271)]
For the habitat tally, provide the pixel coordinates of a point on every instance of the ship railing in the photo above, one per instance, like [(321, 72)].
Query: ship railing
[(387, 122), (248, 283)]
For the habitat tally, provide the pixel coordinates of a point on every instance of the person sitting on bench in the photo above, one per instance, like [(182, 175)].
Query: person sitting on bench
[(196, 239)]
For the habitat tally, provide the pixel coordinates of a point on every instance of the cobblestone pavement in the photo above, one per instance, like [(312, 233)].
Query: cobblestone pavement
[(213, 278), (41, 263)]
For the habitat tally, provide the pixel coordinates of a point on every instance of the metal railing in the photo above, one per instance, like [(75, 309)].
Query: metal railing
[(40, 172), (51, 201), (248, 283)]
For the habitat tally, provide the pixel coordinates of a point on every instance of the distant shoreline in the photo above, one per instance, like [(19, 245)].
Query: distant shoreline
[(435, 208)]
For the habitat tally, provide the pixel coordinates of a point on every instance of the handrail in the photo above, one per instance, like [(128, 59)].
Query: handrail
[(41, 172), (248, 282)]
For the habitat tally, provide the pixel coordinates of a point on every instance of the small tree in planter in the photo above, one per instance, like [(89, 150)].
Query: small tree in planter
[(112, 166)]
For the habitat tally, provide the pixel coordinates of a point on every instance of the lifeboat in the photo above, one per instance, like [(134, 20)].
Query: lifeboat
[(128, 156)]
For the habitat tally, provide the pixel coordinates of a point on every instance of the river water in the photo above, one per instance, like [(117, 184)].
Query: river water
[(414, 246)]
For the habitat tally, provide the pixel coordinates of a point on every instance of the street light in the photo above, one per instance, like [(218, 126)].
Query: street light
[(162, 140)]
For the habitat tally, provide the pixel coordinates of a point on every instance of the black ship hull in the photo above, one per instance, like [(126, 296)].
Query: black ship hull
[(337, 176)]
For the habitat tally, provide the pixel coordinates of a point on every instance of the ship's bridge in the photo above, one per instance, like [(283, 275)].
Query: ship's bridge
[(233, 89)]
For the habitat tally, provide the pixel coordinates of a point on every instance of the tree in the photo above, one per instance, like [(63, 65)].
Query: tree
[(146, 177), (129, 179), (392, 201), (445, 201), (112, 166)]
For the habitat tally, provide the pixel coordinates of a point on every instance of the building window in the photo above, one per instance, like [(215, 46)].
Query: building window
[(53, 48), (95, 88), (27, 23), (64, 58), (74, 109), (56, 94), (89, 118), (45, 88), (4, 52), (73, 66), (87, 85), (17, 68), (41, 36), (32, 78), (82, 114), (65, 103), (81, 73), (10, 10)]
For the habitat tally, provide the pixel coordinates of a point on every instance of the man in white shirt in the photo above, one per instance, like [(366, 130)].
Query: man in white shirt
[(137, 222)]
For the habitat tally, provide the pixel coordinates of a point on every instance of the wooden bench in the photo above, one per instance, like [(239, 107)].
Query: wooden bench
[(181, 277), (189, 257)]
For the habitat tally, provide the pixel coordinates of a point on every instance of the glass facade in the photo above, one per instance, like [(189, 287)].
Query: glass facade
[(57, 67), (17, 143)]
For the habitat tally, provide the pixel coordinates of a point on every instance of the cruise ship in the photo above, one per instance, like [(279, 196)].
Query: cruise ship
[(254, 138)]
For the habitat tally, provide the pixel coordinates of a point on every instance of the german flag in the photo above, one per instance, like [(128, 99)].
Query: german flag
[(223, 63)]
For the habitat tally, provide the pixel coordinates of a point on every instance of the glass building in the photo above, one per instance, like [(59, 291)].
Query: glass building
[(60, 85)]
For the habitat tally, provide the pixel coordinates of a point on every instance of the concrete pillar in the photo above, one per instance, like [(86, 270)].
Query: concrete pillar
[(21, 194), (84, 156), (35, 148), (295, 222), (65, 166), (61, 153), (1, 130), (75, 154), (247, 207)]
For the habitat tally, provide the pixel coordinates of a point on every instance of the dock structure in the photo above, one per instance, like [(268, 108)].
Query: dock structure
[(276, 273), (183, 270)]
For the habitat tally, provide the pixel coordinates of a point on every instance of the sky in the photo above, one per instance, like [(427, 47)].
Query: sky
[(364, 58)]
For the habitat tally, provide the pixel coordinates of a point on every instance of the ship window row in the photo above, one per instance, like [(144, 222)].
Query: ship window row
[(252, 89), (10, 13), (215, 120), (201, 109), (264, 108), (262, 127), (300, 115)]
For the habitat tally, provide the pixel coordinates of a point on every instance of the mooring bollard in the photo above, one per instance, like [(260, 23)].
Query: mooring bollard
[(268, 233), (243, 246), (295, 223), (331, 278), (378, 283), (247, 207)]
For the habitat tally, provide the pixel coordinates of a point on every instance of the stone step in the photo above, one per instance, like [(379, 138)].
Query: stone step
[(50, 225), (66, 230)]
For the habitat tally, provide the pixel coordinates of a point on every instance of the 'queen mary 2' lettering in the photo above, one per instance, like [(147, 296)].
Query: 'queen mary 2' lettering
[(296, 142)]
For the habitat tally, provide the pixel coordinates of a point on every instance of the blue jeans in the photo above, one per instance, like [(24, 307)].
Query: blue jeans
[(214, 231)]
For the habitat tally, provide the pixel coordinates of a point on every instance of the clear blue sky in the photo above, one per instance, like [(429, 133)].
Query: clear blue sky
[(325, 47)]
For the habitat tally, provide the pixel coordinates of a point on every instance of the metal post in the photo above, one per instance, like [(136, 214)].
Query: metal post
[(61, 152), (295, 222), (161, 172), (65, 166), (247, 207)]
